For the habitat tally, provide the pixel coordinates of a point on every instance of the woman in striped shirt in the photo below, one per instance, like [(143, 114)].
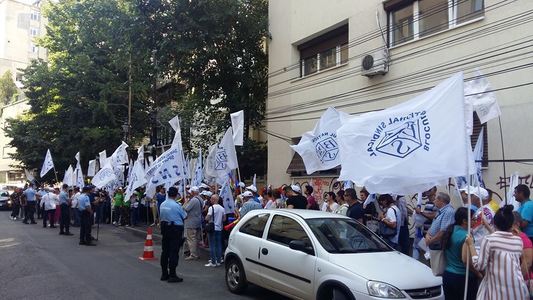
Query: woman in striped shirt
[(499, 259)]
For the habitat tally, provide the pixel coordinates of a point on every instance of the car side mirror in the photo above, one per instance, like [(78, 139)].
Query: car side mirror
[(301, 246)]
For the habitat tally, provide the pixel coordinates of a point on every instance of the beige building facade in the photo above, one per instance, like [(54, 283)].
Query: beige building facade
[(21, 24), (361, 56)]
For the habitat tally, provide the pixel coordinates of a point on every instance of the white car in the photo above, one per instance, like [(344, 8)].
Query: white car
[(305, 254)]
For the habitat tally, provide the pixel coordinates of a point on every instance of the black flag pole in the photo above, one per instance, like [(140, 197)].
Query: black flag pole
[(503, 159)]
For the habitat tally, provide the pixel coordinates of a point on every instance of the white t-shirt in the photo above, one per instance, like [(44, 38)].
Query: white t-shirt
[(217, 212), (270, 204), (75, 200), (50, 201), (390, 216)]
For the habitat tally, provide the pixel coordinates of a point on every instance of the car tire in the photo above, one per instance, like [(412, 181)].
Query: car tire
[(338, 294), (235, 276), (334, 292)]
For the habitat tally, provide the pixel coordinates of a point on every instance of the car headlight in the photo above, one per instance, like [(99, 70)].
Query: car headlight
[(383, 290)]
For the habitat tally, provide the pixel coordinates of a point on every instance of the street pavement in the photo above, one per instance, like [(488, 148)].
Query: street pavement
[(38, 263)]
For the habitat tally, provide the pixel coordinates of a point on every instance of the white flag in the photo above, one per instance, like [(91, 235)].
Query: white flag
[(411, 146), (478, 156), (68, 179), (48, 163), (120, 156), (77, 156), (198, 170), (478, 94), (78, 176), (222, 158), (166, 171), (104, 176), (254, 181), (227, 197), (136, 179), (175, 124), (102, 158), (511, 200), (237, 123), (91, 170), (319, 148), (140, 155), (29, 175)]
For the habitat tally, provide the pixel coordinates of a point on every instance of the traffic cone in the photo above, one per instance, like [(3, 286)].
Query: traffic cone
[(148, 253)]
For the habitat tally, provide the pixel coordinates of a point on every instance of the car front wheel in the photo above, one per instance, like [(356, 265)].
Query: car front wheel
[(235, 277)]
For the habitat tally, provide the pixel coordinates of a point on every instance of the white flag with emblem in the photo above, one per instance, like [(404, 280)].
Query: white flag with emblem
[(120, 156), (237, 123), (227, 197), (319, 148), (136, 179), (48, 163), (481, 98), (411, 146), (222, 158), (104, 176), (78, 175), (166, 169), (68, 179)]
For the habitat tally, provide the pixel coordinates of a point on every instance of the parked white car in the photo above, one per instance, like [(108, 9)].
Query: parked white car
[(306, 254)]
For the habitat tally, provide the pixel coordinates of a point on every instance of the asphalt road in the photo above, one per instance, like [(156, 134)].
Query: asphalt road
[(38, 263)]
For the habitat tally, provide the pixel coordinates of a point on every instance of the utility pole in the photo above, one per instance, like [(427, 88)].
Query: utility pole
[(129, 99)]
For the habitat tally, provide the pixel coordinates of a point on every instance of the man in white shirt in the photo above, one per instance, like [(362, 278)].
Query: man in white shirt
[(216, 215), (74, 207), (49, 203)]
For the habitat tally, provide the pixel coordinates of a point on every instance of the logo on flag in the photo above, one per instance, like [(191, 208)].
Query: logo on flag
[(221, 159), (326, 147), (409, 133)]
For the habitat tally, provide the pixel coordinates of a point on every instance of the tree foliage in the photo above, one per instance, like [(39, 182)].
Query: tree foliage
[(200, 59), (8, 89)]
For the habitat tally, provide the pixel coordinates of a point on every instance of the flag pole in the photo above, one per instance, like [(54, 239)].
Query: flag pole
[(503, 158), (55, 173), (239, 173)]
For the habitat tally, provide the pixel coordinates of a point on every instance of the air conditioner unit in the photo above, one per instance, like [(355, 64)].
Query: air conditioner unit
[(376, 63)]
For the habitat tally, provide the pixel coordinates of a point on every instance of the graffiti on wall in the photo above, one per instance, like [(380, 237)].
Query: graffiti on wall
[(504, 182)]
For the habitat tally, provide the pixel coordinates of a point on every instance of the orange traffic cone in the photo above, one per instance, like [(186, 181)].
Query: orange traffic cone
[(148, 253)]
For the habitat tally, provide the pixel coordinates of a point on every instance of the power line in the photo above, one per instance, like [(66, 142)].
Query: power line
[(377, 33), (463, 36)]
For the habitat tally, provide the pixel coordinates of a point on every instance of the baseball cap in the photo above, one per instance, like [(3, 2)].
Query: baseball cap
[(479, 192), (296, 188), (206, 193), (247, 194), (252, 188), (194, 189), (242, 185), (204, 186)]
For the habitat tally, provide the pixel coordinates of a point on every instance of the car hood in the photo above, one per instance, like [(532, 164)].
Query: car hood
[(391, 267)]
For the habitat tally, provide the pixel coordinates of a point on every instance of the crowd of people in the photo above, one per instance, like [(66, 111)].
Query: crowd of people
[(495, 253)]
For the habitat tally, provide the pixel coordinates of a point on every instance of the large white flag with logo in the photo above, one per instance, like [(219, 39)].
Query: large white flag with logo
[(102, 158), (48, 163), (166, 169), (411, 146), (237, 123), (222, 157), (120, 156), (104, 176), (319, 148), (79, 176)]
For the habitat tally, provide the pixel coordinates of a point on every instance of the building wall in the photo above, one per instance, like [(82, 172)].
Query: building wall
[(21, 24), (424, 62)]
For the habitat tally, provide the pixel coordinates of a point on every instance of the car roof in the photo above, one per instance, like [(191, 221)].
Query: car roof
[(304, 213)]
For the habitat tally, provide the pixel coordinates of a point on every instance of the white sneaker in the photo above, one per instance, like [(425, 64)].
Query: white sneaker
[(218, 264), (221, 261), (210, 265)]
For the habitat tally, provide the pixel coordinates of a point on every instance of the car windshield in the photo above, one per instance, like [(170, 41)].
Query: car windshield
[(338, 235)]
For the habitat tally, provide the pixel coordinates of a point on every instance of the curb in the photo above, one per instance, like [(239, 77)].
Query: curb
[(142, 233)]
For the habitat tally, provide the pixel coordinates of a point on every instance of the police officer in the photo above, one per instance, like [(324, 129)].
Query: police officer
[(84, 206), (172, 216), (64, 203)]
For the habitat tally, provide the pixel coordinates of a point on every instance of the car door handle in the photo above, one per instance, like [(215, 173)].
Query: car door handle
[(264, 251)]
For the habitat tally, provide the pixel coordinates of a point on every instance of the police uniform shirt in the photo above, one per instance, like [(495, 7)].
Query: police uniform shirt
[(30, 194), (171, 211), (83, 202), (63, 197)]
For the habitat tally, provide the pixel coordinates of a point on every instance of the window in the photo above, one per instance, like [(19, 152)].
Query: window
[(34, 16), (411, 20), (325, 51), (345, 236), (34, 48), (34, 31), (255, 226), (283, 230)]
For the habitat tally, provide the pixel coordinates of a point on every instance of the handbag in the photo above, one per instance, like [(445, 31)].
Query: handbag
[(386, 231), (210, 227)]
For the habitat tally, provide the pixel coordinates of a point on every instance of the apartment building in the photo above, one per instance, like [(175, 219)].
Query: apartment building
[(361, 56), (21, 23)]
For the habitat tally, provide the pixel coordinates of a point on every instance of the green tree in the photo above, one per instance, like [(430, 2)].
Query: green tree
[(8, 89)]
